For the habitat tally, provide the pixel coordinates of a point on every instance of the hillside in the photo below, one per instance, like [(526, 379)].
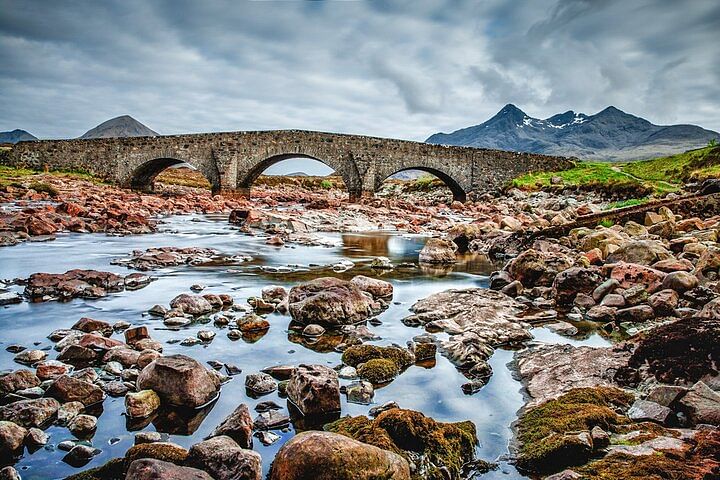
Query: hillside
[(16, 136), (608, 135), (123, 126)]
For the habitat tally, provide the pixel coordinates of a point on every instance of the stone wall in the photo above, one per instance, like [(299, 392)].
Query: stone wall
[(231, 161)]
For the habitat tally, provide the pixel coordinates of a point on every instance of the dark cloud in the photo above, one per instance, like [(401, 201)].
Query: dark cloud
[(404, 68)]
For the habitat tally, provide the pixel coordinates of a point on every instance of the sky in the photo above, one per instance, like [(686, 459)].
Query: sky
[(402, 69)]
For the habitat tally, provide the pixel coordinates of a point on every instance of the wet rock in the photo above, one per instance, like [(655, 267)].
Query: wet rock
[(570, 282), (330, 302), (313, 330), (666, 395), (477, 321), (381, 263), (251, 323), (424, 351), (179, 380), (83, 426), (639, 313), (271, 420), (68, 411), (30, 413), (438, 250), (141, 404), (147, 437), (52, 369), (314, 389), (680, 281), (147, 356), (274, 294), (12, 436), (664, 302), (9, 298), (329, 456), (89, 325), (533, 268), (378, 370), (191, 304), (642, 252), (375, 287), (549, 370), (702, 405), (225, 460), (151, 469), (71, 284), (238, 426), (644, 410), (613, 300), (164, 451), (360, 392), (30, 357), (71, 389), (77, 355), (80, 454), (126, 357), (267, 438), (18, 380), (629, 274), (605, 288), (260, 383)]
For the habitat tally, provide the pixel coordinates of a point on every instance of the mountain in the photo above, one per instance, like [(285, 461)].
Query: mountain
[(608, 135), (123, 126), (15, 136)]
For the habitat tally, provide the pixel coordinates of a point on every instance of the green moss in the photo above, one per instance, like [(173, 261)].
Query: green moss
[(630, 202), (701, 460), (410, 433), (42, 187), (378, 370), (112, 470), (167, 452), (357, 354), (541, 429)]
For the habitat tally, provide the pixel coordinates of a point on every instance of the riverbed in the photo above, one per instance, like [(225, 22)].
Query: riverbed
[(435, 391)]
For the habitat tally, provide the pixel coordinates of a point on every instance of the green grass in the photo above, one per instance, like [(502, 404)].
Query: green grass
[(607, 223), (630, 202), (582, 174), (11, 175), (688, 166)]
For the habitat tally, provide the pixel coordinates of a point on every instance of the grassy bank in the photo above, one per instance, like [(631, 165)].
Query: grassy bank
[(657, 176), (15, 176)]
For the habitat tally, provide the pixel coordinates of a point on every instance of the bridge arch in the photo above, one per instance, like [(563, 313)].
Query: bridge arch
[(345, 169), (143, 176), (457, 190)]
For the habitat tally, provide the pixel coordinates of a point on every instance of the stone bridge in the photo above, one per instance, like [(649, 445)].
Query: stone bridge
[(231, 161)]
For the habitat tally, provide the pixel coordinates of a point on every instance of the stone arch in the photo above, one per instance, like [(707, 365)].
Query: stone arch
[(457, 190), (143, 176), (346, 169)]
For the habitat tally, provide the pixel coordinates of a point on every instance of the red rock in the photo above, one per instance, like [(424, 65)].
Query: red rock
[(629, 274)]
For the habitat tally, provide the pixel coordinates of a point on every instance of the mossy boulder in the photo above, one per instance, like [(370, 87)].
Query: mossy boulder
[(165, 451), (552, 434), (427, 443), (699, 461), (378, 370), (357, 354), (111, 470)]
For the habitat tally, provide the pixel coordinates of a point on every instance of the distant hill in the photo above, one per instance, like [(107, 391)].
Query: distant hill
[(15, 136), (123, 126), (608, 135)]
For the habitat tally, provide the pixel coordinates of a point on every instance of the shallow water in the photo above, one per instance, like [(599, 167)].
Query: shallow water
[(434, 391)]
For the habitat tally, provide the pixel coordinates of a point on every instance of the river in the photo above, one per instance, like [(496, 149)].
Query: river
[(434, 391)]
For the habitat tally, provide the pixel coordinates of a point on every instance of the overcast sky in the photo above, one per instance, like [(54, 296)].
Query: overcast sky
[(403, 69)]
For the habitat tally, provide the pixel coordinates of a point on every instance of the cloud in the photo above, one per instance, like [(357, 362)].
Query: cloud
[(404, 69)]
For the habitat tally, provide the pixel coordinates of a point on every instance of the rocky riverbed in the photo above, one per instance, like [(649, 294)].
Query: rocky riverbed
[(296, 333)]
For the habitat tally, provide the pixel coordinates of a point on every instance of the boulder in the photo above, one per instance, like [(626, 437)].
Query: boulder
[(630, 274), (702, 404), (330, 302), (224, 459), (260, 383), (12, 436), (314, 389), (18, 380), (30, 413), (533, 268), (375, 287), (642, 252), (238, 426), (438, 250), (141, 404), (644, 410), (71, 389), (179, 380), (191, 304), (83, 426), (152, 469), (664, 302), (329, 456), (570, 282), (680, 281)]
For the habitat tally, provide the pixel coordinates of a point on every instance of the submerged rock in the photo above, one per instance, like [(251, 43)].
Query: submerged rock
[(329, 456), (225, 460)]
